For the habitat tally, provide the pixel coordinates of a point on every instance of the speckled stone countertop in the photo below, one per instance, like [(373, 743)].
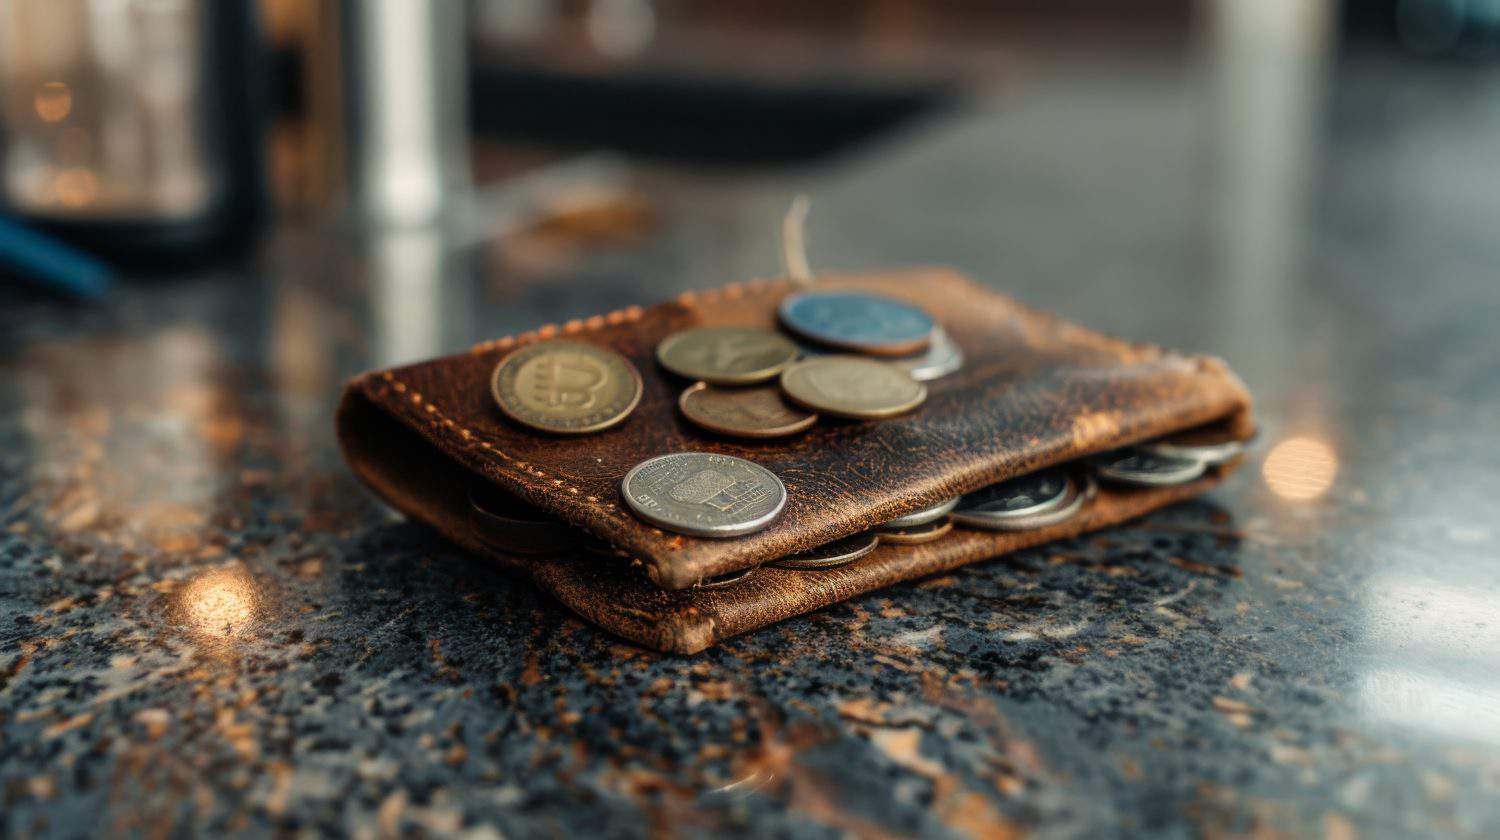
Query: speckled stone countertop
[(207, 626)]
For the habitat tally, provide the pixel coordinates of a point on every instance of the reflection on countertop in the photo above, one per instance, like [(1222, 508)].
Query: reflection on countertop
[(205, 625)]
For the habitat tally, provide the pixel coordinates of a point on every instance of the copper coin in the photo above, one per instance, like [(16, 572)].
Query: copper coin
[(829, 555), (757, 411), (915, 535), (726, 355), (566, 387), (853, 387)]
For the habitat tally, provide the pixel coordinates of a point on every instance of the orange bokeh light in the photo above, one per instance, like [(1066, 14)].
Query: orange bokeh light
[(1300, 468)]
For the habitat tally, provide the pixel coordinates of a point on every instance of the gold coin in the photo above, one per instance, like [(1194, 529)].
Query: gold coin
[(757, 412), (916, 535), (726, 355), (566, 387), (852, 386)]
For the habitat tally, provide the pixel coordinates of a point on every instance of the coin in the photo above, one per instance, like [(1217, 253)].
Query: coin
[(704, 494), (1138, 467), (942, 357), (511, 525), (726, 579), (726, 355), (1016, 498), (852, 387), (917, 535), (1212, 446), (858, 321), (1026, 503), (566, 387), (923, 516), (829, 555), (758, 411)]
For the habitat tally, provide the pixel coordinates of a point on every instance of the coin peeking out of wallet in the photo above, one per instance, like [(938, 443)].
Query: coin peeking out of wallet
[(682, 473)]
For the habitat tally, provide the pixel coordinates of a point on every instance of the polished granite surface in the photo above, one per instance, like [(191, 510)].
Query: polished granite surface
[(206, 624)]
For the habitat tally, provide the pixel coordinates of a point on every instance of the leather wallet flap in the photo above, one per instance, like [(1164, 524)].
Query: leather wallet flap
[(1035, 391)]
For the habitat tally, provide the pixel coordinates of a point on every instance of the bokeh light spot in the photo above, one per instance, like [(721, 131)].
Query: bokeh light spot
[(1300, 468)]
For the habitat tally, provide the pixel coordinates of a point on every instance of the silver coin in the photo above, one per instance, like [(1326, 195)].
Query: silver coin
[(858, 321), (829, 555), (703, 494), (1020, 497), (726, 579), (1027, 518), (1139, 467), (921, 517), (1212, 446), (943, 357)]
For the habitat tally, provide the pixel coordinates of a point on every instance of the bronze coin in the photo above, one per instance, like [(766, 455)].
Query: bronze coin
[(566, 387), (852, 386), (830, 555), (504, 522), (915, 535), (756, 412), (726, 355)]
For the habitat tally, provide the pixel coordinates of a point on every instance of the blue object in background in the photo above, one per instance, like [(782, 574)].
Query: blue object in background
[(51, 264)]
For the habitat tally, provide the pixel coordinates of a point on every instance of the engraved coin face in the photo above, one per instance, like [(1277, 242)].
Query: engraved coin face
[(1211, 446), (941, 358), (1025, 503), (858, 321), (1139, 467), (703, 494), (726, 355), (923, 516), (852, 387), (758, 411), (917, 534), (566, 387), (830, 555), (1023, 496)]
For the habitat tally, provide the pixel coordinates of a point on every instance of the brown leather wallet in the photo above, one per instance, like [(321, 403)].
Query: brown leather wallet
[(1035, 391)]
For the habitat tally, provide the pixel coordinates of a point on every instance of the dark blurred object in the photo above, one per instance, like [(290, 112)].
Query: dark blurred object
[(725, 83), (1459, 29), (134, 128)]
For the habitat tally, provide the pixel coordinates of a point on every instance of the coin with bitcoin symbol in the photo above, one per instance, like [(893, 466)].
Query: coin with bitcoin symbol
[(566, 387), (726, 355)]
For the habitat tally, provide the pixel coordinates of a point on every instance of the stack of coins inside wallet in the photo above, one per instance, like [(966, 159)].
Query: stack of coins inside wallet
[(852, 356)]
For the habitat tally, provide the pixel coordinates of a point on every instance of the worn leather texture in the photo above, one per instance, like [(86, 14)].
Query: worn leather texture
[(1035, 391)]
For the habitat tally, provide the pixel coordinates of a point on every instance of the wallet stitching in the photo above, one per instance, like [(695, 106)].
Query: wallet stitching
[(576, 326)]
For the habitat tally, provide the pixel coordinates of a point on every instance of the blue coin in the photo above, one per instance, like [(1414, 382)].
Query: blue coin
[(858, 321)]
